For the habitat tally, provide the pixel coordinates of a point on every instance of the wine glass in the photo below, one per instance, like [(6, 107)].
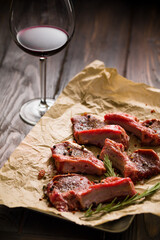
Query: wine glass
[(41, 28)]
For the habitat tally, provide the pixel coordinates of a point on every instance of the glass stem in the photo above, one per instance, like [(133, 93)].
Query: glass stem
[(43, 63)]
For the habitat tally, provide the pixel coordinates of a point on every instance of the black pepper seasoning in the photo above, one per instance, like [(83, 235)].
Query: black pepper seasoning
[(70, 152), (51, 189)]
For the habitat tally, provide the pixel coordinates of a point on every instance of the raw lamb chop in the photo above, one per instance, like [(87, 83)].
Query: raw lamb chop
[(141, 164), (62, 191), (119, 158), (73, 158), (76, 192), (133, 125), (86, 122), (89, 129), (153, 124), (147, 162)]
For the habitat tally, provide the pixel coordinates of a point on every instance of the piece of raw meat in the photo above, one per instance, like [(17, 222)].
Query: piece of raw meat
[(86, 122), (76, 192), (141, 164), (119, 158), (72, 158), (147, 162), (153, 124), (62, 191), (131, 124), (88, 129), (105, 191)]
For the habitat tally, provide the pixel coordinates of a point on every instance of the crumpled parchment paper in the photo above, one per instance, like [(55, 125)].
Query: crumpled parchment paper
[(96, 90)]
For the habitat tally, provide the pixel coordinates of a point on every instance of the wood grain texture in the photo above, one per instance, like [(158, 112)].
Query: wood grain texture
[(123, 35), (144, 52), (4, 33), (35, 225), (101, 32)]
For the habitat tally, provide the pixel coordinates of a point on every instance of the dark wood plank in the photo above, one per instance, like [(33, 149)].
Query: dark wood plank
[(53, 227), (34, 225), (152, 226), (144, 53), (102, 32), (4, 33), (41, 226), (10, 220)]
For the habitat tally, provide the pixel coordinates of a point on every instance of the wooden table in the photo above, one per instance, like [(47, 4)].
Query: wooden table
[(123, 35)]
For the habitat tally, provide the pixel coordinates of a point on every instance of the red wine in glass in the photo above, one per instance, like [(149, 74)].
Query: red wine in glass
[(42, 40), (43, 29)]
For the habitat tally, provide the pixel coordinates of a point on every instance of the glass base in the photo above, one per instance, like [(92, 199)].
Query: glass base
[(33, 110)]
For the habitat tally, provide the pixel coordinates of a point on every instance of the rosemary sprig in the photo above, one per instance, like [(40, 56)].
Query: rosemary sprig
[(108, 165), (113, 206)]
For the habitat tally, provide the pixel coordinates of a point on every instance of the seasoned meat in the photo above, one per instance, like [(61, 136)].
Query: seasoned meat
[(106, 191), (153, 124), (119, 158), (73, 192), (62, 191), (86, 122), (147, 162), (97, 136), (133, 125), (73, 158), (88, 129), (141, 164)]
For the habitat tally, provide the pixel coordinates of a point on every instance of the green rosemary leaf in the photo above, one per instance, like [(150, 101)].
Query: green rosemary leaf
[(99, 207), (113, 206), (108, 165), (89, 211)]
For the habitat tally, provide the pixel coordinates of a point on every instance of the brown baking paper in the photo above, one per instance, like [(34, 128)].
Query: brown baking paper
[(96, 90)]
